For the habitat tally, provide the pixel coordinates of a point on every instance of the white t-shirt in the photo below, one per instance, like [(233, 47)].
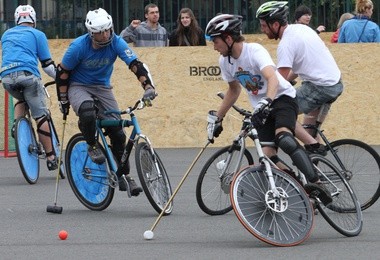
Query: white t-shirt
[(302, 50), (247, 70)]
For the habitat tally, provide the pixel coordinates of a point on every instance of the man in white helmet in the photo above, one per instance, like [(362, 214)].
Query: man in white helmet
[(22, 47), (84, 74)]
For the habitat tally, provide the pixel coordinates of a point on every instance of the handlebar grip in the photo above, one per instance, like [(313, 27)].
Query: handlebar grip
[(49, 83), (238, 109)]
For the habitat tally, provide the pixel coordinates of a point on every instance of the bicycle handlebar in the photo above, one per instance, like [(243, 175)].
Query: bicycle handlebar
[(49, 83), (241, 111), (140, 104)]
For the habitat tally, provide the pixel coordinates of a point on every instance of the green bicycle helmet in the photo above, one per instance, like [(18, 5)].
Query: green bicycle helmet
[(273, 11)]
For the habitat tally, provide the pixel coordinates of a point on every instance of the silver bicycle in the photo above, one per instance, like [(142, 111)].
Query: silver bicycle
[(270, 203)]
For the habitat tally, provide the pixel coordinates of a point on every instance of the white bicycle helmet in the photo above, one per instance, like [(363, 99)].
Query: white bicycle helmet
[(224, 24), (25, 14), (98, 21)]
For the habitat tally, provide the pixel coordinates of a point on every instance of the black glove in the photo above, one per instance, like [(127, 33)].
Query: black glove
[(214, 125), (64, 106), (261, 112)]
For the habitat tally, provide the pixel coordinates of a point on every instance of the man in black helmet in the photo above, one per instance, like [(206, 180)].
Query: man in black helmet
[(249, 66), (301, 52)]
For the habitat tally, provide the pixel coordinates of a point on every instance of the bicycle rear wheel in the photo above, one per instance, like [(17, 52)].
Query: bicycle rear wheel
[(213, 185), (286, 220), (91, 183), (153, 178), (27, 149), (343, 213), (361, 168)]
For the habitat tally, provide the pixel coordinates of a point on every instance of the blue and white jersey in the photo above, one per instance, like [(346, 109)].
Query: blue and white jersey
[(23, 46), (91, 66)]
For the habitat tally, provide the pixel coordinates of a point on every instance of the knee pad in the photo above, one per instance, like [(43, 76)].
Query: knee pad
[(87, 121), (118, 139), (300, 158)]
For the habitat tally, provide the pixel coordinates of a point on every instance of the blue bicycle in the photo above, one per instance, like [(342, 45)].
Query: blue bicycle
[(29, 150), (94, 184)]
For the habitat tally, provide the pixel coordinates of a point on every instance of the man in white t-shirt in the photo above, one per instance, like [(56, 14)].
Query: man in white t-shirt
[(302, 53), (249, 66)]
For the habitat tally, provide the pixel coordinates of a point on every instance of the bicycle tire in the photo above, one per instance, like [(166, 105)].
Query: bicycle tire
[(213, 191), (89, 181), (362, 163), (343, 213), (281, 222), (157, 188), (57, 146), (27, 149)]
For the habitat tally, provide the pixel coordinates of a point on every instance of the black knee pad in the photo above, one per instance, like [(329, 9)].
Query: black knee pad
[(118, 139), (87, 121), (300, 158)]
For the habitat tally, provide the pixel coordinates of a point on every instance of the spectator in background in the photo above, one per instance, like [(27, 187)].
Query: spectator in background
[(149, 33), (360, 28), (344, 17), (188, 32), (303, 15)]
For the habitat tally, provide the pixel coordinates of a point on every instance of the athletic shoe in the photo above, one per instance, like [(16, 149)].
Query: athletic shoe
[(316, 190), (133, 187), (316, 149), (52, 164), (96, 154)]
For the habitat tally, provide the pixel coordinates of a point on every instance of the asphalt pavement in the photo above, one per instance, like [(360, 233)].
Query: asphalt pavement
[(29, 232)]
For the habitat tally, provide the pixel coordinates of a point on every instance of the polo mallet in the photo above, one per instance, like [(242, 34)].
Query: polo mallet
[(148, 234), (56, 209)]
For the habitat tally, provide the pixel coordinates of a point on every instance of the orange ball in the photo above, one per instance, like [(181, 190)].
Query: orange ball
[(63, 234)]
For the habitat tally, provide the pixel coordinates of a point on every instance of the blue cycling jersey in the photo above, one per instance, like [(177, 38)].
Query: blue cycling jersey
[(22, 47), (91, 66)]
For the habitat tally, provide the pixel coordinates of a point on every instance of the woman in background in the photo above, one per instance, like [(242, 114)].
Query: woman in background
[(188, 32), (360, 28)]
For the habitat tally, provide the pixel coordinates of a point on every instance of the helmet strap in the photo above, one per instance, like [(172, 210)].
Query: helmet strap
[(276, 34), (229, 53)]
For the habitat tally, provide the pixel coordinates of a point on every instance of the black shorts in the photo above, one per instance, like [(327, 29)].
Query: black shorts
[(283, 114)]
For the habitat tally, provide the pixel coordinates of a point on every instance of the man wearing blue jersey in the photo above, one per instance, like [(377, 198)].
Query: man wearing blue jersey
[(84, 74), (22, 47)]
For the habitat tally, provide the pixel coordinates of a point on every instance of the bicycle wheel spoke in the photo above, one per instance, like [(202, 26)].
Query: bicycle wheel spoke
[(284, 220)]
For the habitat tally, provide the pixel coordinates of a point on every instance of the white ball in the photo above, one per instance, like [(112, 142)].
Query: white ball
[(148, 235)]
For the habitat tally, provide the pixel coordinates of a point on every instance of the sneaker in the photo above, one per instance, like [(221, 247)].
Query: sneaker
[(134, 188), (52, 164), (318, 191), (96, 154), (316, 149)]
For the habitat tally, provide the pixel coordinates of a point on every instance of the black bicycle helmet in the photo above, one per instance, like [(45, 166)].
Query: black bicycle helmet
[(273, 11), (224, 24)]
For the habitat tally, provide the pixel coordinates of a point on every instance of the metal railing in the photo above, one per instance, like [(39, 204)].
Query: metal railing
[(65, 18)]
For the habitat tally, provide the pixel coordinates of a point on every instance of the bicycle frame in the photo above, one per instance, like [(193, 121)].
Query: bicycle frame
[(133, 138)]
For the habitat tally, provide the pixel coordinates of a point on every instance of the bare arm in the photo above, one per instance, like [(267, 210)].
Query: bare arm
[(230, 98), (269, 74)]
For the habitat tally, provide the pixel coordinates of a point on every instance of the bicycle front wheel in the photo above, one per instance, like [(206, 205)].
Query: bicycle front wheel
[(27, 149), (343, 213), (92, 183), (284, 217), (153, 178), (361, 168), (213, 185)]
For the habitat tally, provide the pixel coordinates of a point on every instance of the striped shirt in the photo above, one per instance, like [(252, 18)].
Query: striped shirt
[(145, 36)]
